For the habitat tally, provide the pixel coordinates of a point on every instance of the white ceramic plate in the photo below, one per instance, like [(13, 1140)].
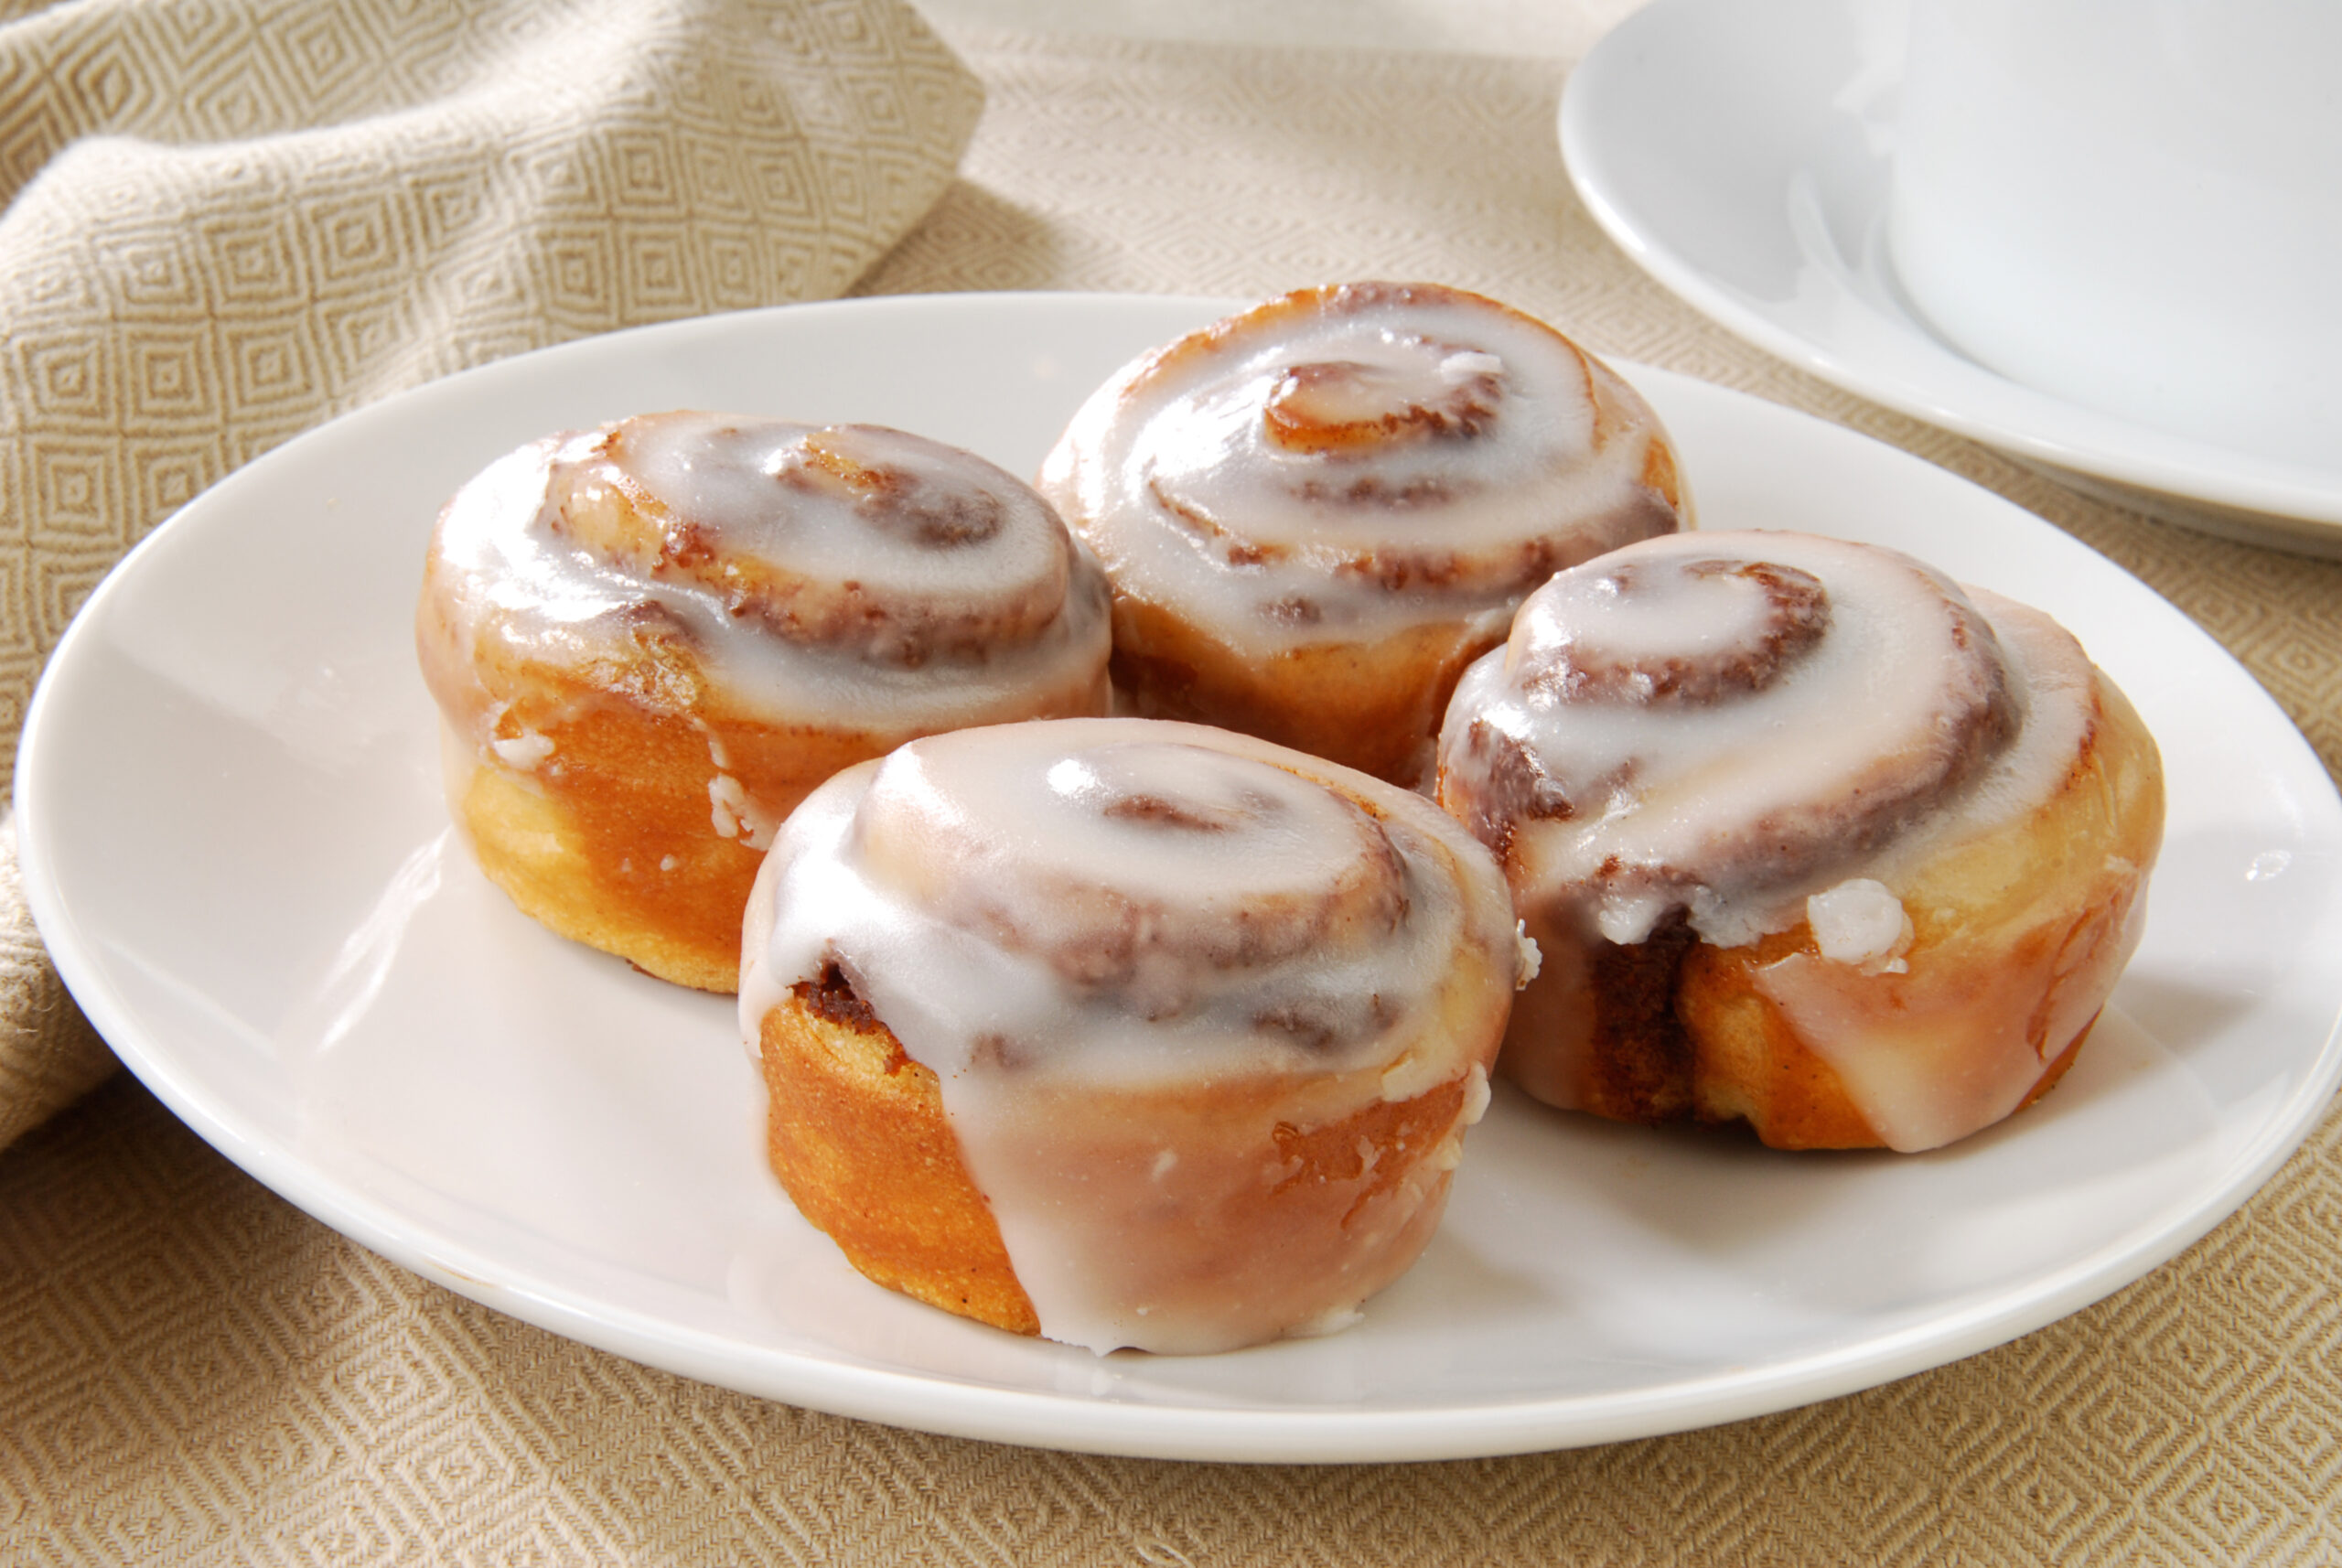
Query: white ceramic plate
[(1740, 154), (234, 840)]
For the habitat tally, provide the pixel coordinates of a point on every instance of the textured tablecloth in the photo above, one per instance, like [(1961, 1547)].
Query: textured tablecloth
[(229, 221), (190, 1371)]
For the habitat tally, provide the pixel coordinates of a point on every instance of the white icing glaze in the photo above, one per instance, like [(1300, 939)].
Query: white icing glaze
[(1067, 921), (1342, 464), (1920, 1080), (524, 750), (1860, 922), (734, 813), (1757, 748), (846, 575), (1476, 1096)]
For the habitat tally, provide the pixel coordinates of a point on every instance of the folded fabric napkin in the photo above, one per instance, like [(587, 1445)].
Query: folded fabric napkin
[(228, 222)]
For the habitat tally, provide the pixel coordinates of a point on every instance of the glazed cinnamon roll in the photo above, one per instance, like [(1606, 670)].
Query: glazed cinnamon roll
[(649, 640), (1125, 1032), (1808, 836), (1317, 513)]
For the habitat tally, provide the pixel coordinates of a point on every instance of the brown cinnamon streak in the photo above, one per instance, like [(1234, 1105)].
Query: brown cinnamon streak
[(1642, 1054)]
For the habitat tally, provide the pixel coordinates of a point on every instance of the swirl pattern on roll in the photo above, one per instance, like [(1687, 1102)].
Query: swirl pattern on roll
[(1342, 461), (1315, 513), (1846, 713), (805, 574), (1749, 762), (1094, 930)]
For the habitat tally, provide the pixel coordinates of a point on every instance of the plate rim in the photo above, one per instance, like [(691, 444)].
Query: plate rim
[(2287, 499), (961, 1408)]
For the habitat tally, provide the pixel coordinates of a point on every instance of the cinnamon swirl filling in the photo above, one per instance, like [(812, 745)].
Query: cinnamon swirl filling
[(1843, 711), (1142, 868), (806, 571), (1776, 615), (1388, 452)]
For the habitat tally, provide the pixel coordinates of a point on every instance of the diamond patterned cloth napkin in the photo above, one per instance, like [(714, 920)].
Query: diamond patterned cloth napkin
[(229, 221), (192, 1371)]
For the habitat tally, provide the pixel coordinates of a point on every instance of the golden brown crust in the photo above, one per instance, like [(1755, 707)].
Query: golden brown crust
[(609, 839), (1380, 1133), (1371, 706), (1751, 1063), (612, 869), (858, 1135)]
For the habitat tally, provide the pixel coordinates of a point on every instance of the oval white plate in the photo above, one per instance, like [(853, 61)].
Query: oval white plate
[(234, 840), (1740, 154)]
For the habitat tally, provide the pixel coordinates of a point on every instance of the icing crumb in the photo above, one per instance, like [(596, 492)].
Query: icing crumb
[(1475, 1096), (1464, 364), (1528, 958), (1861, 924), (737, 814), (1332, 1321), (1411, 1074), (524, 750)]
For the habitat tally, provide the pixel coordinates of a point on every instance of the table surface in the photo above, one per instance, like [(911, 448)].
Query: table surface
[(1516, 28)]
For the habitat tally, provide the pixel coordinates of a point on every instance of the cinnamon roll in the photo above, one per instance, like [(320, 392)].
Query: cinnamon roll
[(1317, 513), (1808, 836), (1125, 1032), (649, 640)]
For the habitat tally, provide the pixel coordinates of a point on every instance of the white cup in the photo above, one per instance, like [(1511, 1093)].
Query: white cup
[(2135, 205)]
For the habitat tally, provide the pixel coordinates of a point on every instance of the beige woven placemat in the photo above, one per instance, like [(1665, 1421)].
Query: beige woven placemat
[(192, 1371)]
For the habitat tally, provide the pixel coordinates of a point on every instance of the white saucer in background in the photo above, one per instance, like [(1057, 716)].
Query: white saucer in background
[(1740, 154), (235, 844)]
